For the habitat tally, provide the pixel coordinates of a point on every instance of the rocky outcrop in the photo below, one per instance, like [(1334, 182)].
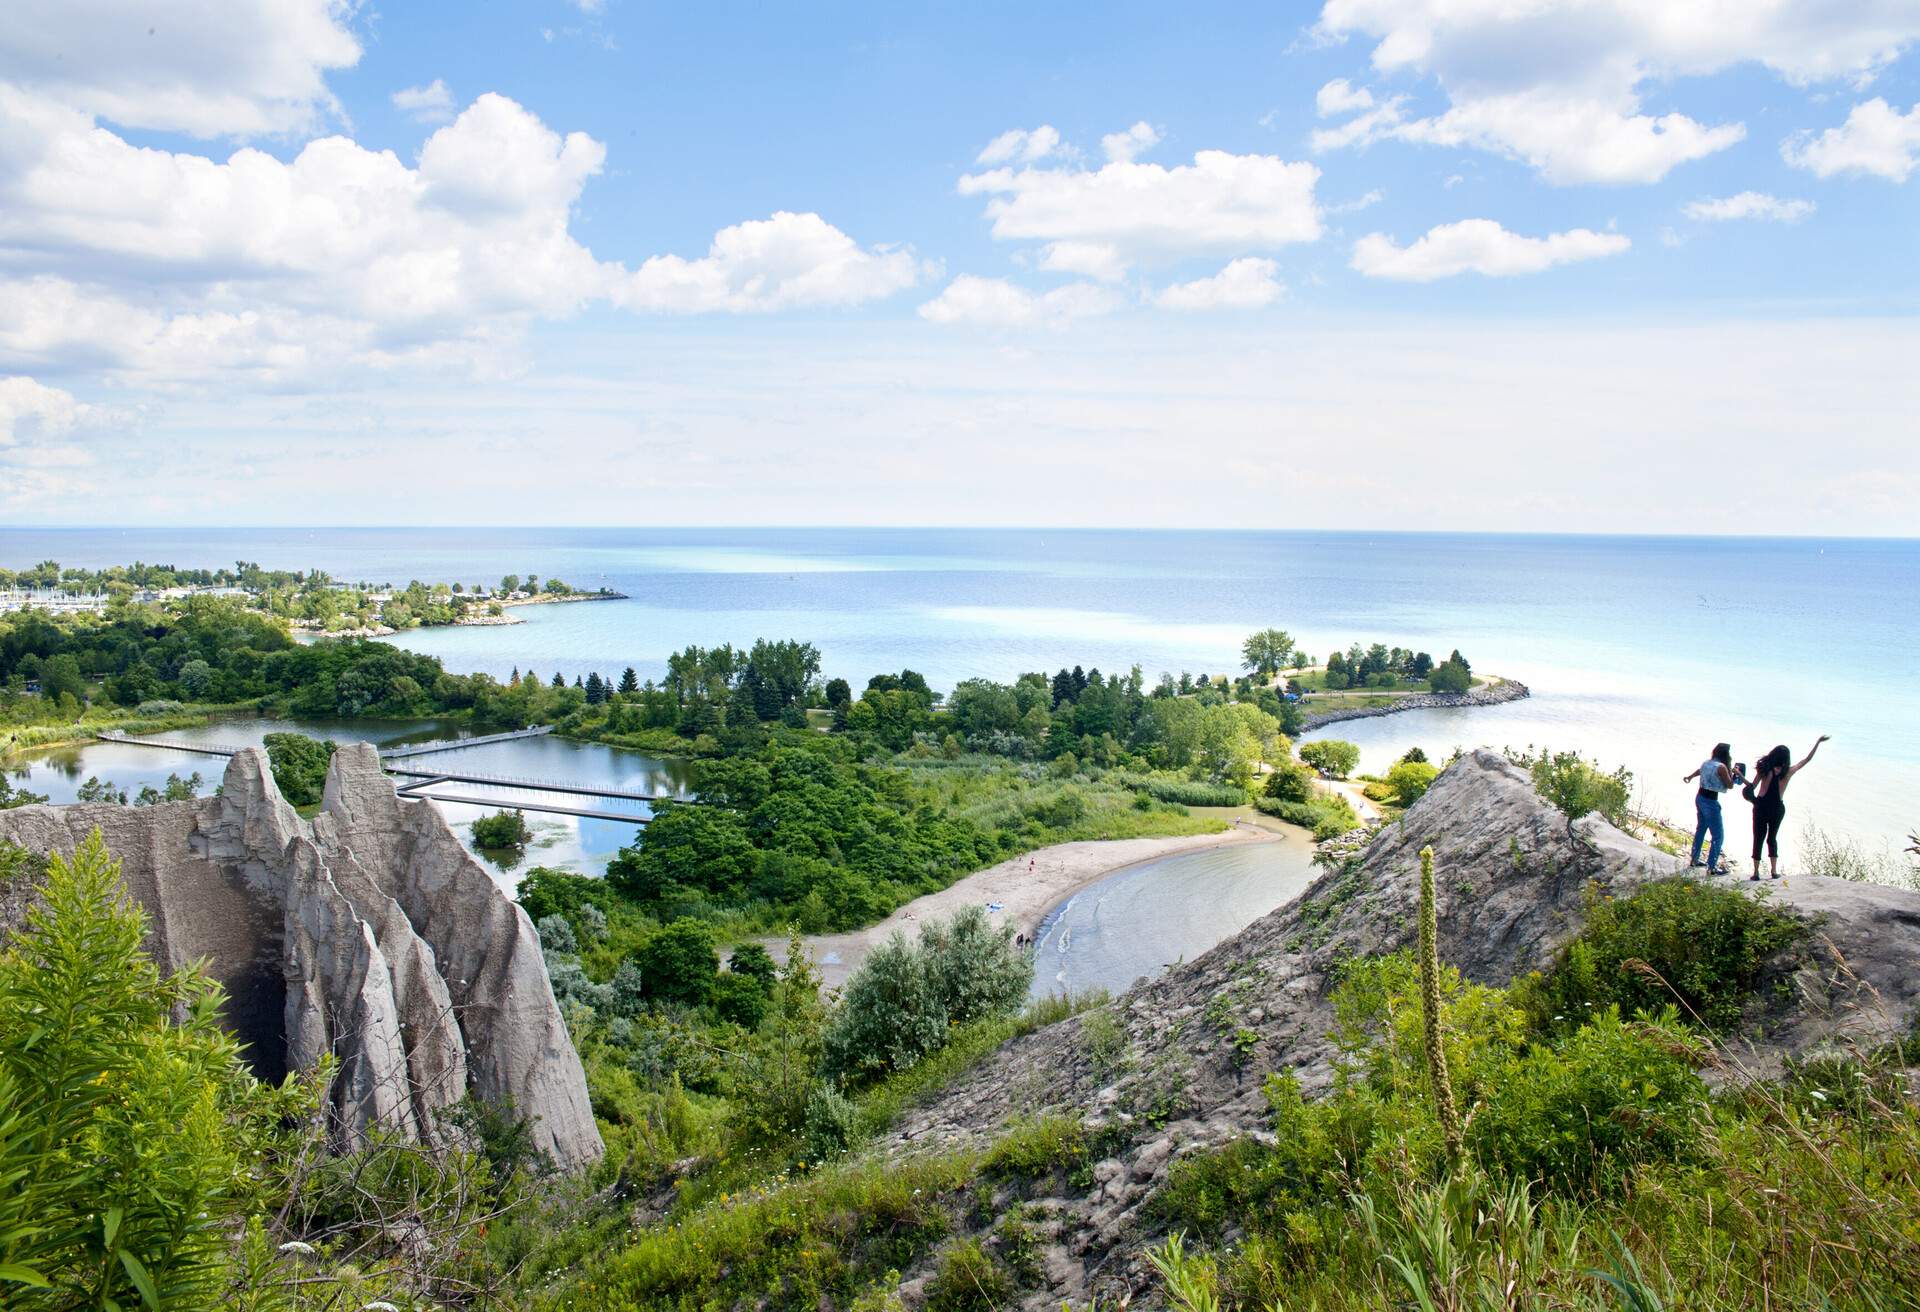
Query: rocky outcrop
[(370, 935), (1495, 693), (1185, 1069)]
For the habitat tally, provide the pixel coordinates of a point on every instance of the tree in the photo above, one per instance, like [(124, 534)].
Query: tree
[(1332, 757), (629, 680), (502, 829), (510, 583), (678, 963), (596, 689), (838, 693), (299, 765), (695, 847), (1450, 676), (11, 797), (1290, 782), (1266, 653), (559, 679)]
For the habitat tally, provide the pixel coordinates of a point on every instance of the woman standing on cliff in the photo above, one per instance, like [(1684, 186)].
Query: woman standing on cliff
[(1768, 793), (1716, 776)]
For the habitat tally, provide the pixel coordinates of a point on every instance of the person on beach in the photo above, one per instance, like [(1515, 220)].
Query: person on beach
[(1716, 775), (1768, 793)]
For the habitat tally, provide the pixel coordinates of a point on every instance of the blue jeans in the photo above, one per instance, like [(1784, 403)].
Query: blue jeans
[(1707, 808)]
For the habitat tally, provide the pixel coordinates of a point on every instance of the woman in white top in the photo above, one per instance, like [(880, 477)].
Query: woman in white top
[(1716, 775)]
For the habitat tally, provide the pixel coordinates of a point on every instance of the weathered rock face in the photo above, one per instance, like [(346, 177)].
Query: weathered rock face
[(1510, 887), (372, 935)]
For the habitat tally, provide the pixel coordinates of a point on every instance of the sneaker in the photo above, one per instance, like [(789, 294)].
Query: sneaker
[(1753, 879), (1695, 865)]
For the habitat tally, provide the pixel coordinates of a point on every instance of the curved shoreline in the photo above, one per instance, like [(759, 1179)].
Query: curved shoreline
[(1494, 694), (1029, 887)]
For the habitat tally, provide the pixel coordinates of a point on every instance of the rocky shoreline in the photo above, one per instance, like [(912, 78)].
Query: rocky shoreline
[(1493, 694)]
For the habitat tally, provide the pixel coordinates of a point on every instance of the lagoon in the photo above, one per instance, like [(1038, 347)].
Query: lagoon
[(1137, 922), (568, 842)]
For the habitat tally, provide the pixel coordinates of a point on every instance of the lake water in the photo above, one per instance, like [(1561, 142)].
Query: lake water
[(571, 842), (1641, 651), (1138, 921)]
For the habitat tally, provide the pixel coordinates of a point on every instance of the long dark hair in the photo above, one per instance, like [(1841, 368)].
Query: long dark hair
[(1723, 753), (1777, 760)]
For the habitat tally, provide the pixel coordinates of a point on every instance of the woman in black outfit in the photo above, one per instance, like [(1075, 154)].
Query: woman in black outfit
[(1769, 798)]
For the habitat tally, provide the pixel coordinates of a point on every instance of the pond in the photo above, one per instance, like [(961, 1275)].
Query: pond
[(577, 843), (1137, 922)]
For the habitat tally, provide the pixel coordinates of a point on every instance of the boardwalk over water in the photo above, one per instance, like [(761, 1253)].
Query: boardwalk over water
[(424, 779)]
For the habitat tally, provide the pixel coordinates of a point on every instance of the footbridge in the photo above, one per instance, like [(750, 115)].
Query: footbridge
[(419, 783)]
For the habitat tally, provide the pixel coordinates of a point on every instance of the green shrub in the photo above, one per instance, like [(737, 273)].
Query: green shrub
[(1410, 780), (830, 1123), (1290, 782), (1328, 815), (902, 1002), (1708, 946), (132, 1139), (1578, 1117), (1578, 787)]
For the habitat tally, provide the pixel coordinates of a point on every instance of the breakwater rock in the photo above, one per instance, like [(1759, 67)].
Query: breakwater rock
[(370, 935), (1492, 694)]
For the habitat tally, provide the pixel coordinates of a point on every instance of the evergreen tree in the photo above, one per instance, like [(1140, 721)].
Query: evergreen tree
[(1062, 688), (629, 680), (559, 679), (596, 689)]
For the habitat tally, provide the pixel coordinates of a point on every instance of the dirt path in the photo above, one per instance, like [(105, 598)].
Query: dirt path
[(1025, 888)]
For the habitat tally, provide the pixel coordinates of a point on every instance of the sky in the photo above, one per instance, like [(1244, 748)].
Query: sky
[(1585, 265)]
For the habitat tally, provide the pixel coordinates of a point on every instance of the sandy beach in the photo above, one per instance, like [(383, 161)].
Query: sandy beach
[(1026, 887)]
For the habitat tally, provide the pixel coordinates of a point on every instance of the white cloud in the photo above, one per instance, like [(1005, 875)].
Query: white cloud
[(35, 422), (211, 68), (771, 264), (175, 264), (1246, 284), (1749, 205), (1341, 97), (1358, 203), (1104, 220), (31, 409), (432, 103), (1478, 246), (1090, 259), (997, 303), (1131, 144), (1561, 85), (1876, 139), (1020, 146)]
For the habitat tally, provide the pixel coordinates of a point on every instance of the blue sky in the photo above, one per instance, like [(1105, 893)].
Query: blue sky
[(1588, 264)]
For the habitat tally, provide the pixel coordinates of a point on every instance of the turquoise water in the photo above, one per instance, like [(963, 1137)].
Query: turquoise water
[(1643, 651)]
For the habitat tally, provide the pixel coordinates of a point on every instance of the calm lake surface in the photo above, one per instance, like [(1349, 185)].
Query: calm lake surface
[(1640, 651), (1138, 921)]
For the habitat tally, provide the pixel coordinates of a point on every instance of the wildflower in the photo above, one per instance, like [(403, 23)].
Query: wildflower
[(295, 1246)]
